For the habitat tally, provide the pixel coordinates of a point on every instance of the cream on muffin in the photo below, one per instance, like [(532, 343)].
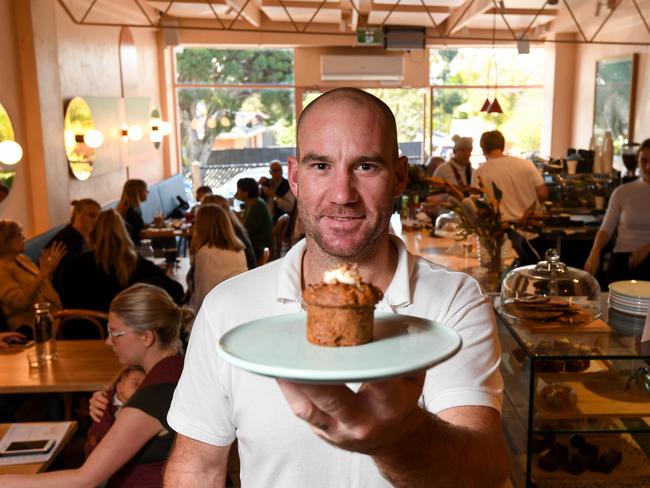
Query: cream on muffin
[(340, 309)]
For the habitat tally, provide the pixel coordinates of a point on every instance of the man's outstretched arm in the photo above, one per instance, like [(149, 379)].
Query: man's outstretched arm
[(461, 446), (196, 464)]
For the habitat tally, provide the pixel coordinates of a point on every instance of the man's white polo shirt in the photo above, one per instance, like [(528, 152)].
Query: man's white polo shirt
[(216, 403)]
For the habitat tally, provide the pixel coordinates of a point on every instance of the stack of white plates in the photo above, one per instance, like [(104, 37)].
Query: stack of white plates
[(630, 297)]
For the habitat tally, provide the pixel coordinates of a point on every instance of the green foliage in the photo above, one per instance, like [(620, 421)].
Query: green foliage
[(408, 107), (6, 130), (202, 110)]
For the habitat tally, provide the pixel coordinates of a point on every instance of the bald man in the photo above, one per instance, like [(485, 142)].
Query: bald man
[(431, 429), (277, 192)]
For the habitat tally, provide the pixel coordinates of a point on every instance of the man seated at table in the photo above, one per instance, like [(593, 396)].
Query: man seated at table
[(459, 170), (440, 428), (277, 193), (518, 179)]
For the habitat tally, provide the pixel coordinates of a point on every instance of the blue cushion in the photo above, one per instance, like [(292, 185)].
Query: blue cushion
[(151, 206), (169, 190)]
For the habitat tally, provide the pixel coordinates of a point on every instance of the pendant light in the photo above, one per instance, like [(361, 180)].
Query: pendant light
[(495, 106)]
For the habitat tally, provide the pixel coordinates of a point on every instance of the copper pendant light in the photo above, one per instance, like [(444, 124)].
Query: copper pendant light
[(495, 107)]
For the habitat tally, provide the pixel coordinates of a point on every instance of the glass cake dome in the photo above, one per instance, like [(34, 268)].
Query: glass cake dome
[(552, 292), (447, 225)]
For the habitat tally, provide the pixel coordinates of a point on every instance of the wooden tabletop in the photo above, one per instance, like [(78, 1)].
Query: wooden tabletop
[(80, 366), (440, 250), (33, 468)]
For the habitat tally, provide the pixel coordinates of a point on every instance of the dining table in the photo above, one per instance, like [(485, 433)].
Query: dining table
[(79, 366), (37, 467)]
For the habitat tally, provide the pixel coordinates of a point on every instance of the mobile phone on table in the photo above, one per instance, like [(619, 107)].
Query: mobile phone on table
[(19, 448)]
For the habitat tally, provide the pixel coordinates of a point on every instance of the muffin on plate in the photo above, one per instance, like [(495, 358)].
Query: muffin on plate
[(340, 309)]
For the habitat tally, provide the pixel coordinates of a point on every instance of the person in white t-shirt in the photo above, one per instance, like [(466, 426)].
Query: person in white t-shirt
[(627, 213), (434, 428), (520, 182)]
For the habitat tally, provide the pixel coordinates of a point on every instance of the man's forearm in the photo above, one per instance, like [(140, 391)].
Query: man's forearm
[(435, 453), (194, 464), (178, 475)]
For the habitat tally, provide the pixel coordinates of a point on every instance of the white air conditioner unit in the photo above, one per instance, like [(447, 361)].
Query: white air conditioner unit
[(361, 67)]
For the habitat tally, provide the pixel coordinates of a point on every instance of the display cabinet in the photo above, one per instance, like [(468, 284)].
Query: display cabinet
[(576, 407)]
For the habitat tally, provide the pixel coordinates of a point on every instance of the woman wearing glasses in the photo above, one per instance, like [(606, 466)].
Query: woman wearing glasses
[(22, 283), (143, 330)]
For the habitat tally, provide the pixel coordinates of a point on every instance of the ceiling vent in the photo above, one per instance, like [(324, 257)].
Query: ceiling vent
[(361, 68), (404, 38)]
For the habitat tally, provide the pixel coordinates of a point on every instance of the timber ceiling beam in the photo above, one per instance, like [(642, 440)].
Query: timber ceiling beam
[(249, 10), (462, 15), (582, 17)]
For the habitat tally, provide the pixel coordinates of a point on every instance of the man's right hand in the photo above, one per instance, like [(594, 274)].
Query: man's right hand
[(98, 404)]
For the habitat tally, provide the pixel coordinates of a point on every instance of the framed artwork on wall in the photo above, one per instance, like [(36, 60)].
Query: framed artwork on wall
[(614, 99)]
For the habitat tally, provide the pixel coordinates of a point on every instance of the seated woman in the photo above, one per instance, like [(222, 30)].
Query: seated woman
[(92, 279), (76, 235), (143, 330), (240, 230), (257, 217), (22, 283), (218, 254), (628, 215), (134, 193)]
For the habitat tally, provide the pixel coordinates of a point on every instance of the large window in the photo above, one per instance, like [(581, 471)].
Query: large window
[(235, 108), (236, 111), (461, 81)]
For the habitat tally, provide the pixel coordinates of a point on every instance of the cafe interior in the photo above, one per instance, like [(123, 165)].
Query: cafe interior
[(106, 103)]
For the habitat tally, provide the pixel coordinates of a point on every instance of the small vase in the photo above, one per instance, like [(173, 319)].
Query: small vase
[(491, 255)]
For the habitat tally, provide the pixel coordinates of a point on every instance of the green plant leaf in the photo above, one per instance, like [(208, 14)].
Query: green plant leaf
[(497, 192)]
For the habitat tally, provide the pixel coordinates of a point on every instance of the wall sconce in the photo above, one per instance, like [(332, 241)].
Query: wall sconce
[(158, 128), (10, 152), (132, 133), (92, 138)]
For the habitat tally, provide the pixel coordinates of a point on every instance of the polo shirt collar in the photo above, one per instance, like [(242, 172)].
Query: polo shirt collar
[(398, 294), (290, 275)]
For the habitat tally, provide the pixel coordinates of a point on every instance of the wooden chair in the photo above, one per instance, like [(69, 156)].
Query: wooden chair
[(280, 236), (77, 315), (264, 258)]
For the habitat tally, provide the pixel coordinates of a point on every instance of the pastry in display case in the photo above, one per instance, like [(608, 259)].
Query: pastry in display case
[(550, 295), (576, 410)]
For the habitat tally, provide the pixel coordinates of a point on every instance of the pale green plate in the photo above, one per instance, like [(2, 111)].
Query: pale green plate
[(278, 347)]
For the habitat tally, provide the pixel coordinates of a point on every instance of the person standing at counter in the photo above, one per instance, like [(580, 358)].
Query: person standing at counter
[(459, 170), (518, 179), (627, 214)]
